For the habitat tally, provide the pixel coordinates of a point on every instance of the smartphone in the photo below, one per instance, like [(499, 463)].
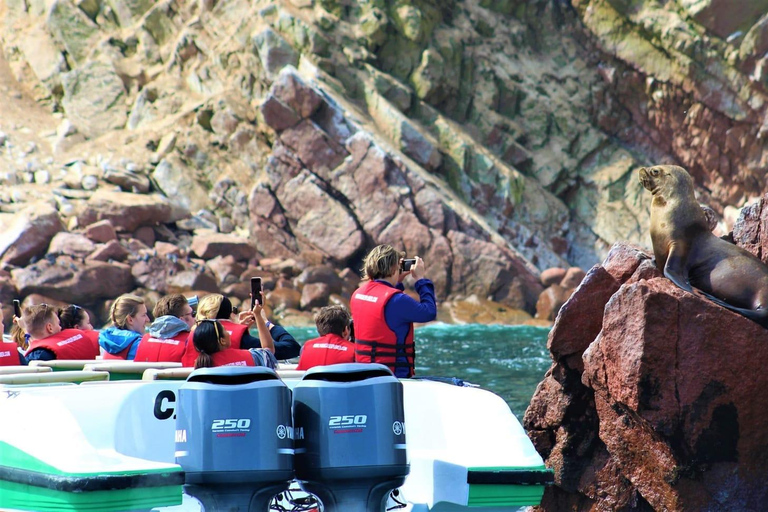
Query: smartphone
[(406, 265), (17, 308), (256, 291)]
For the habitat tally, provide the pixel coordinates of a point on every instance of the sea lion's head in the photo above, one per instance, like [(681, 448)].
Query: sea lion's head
[(666, 180)]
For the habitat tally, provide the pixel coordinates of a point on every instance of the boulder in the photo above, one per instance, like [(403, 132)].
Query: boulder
[(71, 244), (552, 276), (285, 298), (126, 211), (94, 98), (751, 229), (175, 180), (572, 278), (111, 250), (474, 310), (292, 90), (101, 231), (320, 274), (27, 234), (190, 280), (70, 280), (314, 295), (225, 268), (551, 300), (210, 246), (639, 410), (274, 51), (72, 28)]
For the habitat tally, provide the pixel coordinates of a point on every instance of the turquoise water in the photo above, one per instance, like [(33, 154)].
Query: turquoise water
[(509, 360)]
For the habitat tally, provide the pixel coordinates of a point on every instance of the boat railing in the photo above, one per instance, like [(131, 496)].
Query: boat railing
[(75, 376), (7, 370)]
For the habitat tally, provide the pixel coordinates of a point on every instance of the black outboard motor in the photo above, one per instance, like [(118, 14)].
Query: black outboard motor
[(234, 437), (350, 436)]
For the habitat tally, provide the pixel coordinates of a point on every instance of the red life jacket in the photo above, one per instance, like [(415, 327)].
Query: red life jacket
[(70, 344), (123, 354), (236, 332), (169, 350), (328, 349), (233, 357), (9, 354), (375, 342)]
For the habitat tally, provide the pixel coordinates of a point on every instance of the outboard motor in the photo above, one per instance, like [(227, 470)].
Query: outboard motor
[(234, 437), (350, 436)]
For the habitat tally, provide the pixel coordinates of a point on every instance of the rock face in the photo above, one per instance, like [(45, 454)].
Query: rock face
[(653, 401)]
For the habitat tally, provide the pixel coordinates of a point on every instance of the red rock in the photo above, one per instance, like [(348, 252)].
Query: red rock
[(314, 148), (291, 89), (29, 233), (226, 269), (656, 413), (552, 276), (111, 250), (164, 249), (320, 274), (209, 246), (277, 114), (146, 234), (286, 298), (191, 280), (125, 210), (71, 244), (751, 230), (314, 295), (550, 301), (101, 232), (70, 280), (572, 278)]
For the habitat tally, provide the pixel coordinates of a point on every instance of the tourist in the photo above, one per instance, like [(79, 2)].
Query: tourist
[(129, 318), (75, 317), (9, 350), (168, 334), (48, 341), (219, 307), (334, 345), (384, 315), (212, 345)]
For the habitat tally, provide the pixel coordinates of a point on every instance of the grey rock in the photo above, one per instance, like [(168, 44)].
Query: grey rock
[(94, 98)]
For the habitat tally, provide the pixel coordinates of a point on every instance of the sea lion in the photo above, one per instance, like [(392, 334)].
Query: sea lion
[(692, 257)]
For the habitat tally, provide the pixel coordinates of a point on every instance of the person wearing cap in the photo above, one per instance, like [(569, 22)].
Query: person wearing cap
[(169, 333)]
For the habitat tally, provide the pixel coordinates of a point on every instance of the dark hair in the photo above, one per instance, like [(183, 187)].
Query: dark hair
[(332, 319), (170, 305), (72, 316), (225, 309), (207, 341)]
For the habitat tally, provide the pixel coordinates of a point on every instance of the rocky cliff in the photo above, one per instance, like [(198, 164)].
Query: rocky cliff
[(495, 138), (654, 400)]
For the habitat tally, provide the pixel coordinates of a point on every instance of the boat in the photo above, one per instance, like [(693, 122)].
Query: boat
[(122, 436)]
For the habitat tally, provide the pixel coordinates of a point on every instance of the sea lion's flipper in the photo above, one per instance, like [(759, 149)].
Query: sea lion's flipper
[(757, 315), (675, 269)]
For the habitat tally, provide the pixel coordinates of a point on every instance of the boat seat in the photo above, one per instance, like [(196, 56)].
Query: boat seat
[(290, 374), (5, 370), (128, 370), (167, 374), (48, 377), (60, 365)]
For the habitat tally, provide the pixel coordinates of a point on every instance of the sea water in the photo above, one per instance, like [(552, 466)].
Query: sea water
[(509, 360)]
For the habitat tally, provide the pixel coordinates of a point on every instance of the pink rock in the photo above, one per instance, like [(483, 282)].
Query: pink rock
[(101, 232), (314, 295), (572, 278), (209, 246), (29, 233), (552, 276), (111, 250)]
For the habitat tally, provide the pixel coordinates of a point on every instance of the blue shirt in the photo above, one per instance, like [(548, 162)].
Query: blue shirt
[(402, 311)]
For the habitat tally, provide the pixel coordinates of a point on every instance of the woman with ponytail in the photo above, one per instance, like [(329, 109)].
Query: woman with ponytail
[(212, 344)]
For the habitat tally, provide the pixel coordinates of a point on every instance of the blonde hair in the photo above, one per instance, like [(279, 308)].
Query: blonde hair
[(36, 317), (208, 307), (124, 306), (381, 262)]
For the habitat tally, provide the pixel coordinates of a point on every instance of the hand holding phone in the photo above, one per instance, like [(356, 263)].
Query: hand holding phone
[(256, 293), (406, 264)]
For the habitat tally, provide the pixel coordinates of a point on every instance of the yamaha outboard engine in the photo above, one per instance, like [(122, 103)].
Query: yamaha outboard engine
[(350, 436), (234, 437)]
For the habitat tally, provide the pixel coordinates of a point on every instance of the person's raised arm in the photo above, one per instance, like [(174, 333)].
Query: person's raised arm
[(265, 337)]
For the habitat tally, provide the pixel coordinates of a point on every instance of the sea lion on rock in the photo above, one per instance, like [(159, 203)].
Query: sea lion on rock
[(692, 257)]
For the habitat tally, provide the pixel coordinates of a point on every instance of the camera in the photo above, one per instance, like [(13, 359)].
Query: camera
[(406, 265)]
